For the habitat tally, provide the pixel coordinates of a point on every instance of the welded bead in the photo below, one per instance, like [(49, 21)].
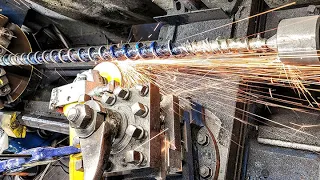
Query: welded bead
[(38, 57), (83, 55), (73, 55), (19, 59), (128, 52), (104, 53), (153, 48), (45, 55), (63, 56), (176, 49), (11, 60), (15, 60), (239, 44), (132, 52), (224, 47), (117, 53), (24, 59), (144, 51), (6, 60), (93, 54), (257, 44), (1, 61), (162, 50), (54, 56), (31, 58), (214, 46)]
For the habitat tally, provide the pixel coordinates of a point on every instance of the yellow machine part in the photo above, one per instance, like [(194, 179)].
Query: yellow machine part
[(73, 173), (11, 127), (110, 72)]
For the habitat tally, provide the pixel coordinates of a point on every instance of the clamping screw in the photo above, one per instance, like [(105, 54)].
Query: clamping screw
[(122, 93), (139, 109), (143, 90), (135, 131), (134, 157), (109, 99)]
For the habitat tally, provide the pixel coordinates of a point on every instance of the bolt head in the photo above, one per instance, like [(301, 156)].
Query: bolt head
[(205, 171), (109, 99), (135, 131), (134, 157), (143, 90), (84, 117), (139, 109), (73, 114), (202, 139), (122, 93)]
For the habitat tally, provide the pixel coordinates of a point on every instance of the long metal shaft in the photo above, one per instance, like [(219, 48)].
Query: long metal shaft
[(138, 51)]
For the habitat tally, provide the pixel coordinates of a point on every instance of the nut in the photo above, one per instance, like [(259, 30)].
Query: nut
[(134, 157), (122, 93), (135, 131), (143, 90), (109, 99), (139, 109), (202, 139), (80, 117), (205, 171)]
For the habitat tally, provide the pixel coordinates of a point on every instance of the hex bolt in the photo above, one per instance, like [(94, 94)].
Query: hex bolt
[(205, 171), (134, 157), (73, 114), (143, 89), (139, 109), (202, 139), (136, 132), (80, 116), (109, 99), (122, 93)]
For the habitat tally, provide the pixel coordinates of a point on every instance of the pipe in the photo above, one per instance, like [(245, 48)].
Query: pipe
[(139, 51)]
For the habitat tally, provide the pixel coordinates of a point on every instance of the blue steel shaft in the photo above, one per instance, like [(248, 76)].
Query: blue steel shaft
[(137, 51)]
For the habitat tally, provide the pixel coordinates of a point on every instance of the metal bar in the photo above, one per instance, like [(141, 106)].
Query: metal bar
[(139, 51), (14, 156), (49, 124)]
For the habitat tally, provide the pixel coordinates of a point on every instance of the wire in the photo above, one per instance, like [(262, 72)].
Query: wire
[(58, 165)]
